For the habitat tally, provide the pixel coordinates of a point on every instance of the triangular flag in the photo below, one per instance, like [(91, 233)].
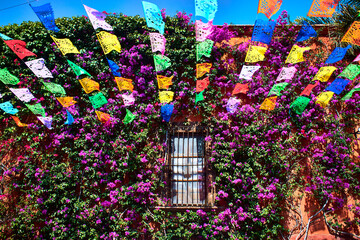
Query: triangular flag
[(232, 104), (166, 112), (77, 70), (66, 101), (153, 16), (299, 105), (108, 42), (129, 117), (161, 62), (18, 122), (287, 73), (164, 82), (255, 54), (98, 100), (337, 86), (7, 78), (240, 88), (97, 19), (202, 69), (65, 45), (124, 84), (206, 8), (269, 103), (337, 55), (70, 118), (158, 42), (269, 7), (37, 109), (323, 8), (204, 49), (349, 94), (203, 30), (357, 58), (114, 68), (324, 73), (8, 108), (54, 88), (324, 98), (247, 72), (38, 67), (4, 37), (263, 31), (23, 94), (277, 88), (201, 85), (46, 15), (128, 99), (19, 49), (306, 32), (296, 54), (103, 117), (350, 72), (166, 96), (46, 121), (89, 85), (199, 97), (308, 89)]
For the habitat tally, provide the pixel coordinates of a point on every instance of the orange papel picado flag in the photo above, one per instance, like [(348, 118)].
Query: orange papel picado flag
[(353, 34), (269, 7), (66, 101), (124, 84), (269, 103), (108, 42), (323, 8), (18, 122), (202, 69), (65, 45), (89, 85), (164, 82), (103, 117)]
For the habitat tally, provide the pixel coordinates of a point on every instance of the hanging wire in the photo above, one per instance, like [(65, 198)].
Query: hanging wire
[(28, 2)]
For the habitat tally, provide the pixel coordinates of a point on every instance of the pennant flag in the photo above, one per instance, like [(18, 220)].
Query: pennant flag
[(38, 67), (206, 8), (46, 15), (65, 45), (8, 108), (350, 72), (324, 98), (199, 97), (70, 118), (296, 54), (357, 58), (98, 100), (203, 30), (23, 94), (255, 54), (201, 85), (232, 105), (166, 96), (204, 49), (202, 69), (240, 88), (114, 68), (306, 32), (263, 31), (153, 16), (309, 89), (164, 82), (77, 70), (166, 112), (46, 121), (97, 18), (323, 8), (269, 103), (161, 62), (124, 84), (247, 72), (324, 73), (37, 109), (7, 78), (269, 7), (277, 88), (103, 117), (128, 99), (54, 88), (129, 117), (337, 86), (158, 42), (287, 73), (4, 37), (66, 101), (337, 55), (89, 85), (299, 105), (18, 122), (18, 47), (349, 94), (108, 42)]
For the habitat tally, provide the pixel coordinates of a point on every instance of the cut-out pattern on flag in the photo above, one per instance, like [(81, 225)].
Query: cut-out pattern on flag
[(199, 97), (337, 55), (77, 70), (158, 43), (296, 54), (287, 73), (232, 104), (202, 69), (324, 74), (108, 42), (97, 18), (206, 8), (269, 7), (65, 45), (98, 100), (7, 78), (357, 58), (306, 32), (38, 67), (129, 117), (247, 72), (47, 121), (204, 49), (18, 122), (164, 82), (4, 37), (70, 118), (128, 99), (166, 96), (337, 86), (240, 88), (166, 112), (203, 30), (8, 108), (23, 94), (124, 84), (54, 88), (269, 103), (153, 16), (323, 8), (350, 72), (89, 85), (299, 105), (103, 117), (263, 31), (201, 85), (277, 88), (66, 101), (324, 98), (307, 91), (114, 68), (36, 109), (349, 94), (19, 48), (255, 54), (46, 15), (161, 62)]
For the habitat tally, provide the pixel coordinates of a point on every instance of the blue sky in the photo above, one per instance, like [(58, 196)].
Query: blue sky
[(229, 11)]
